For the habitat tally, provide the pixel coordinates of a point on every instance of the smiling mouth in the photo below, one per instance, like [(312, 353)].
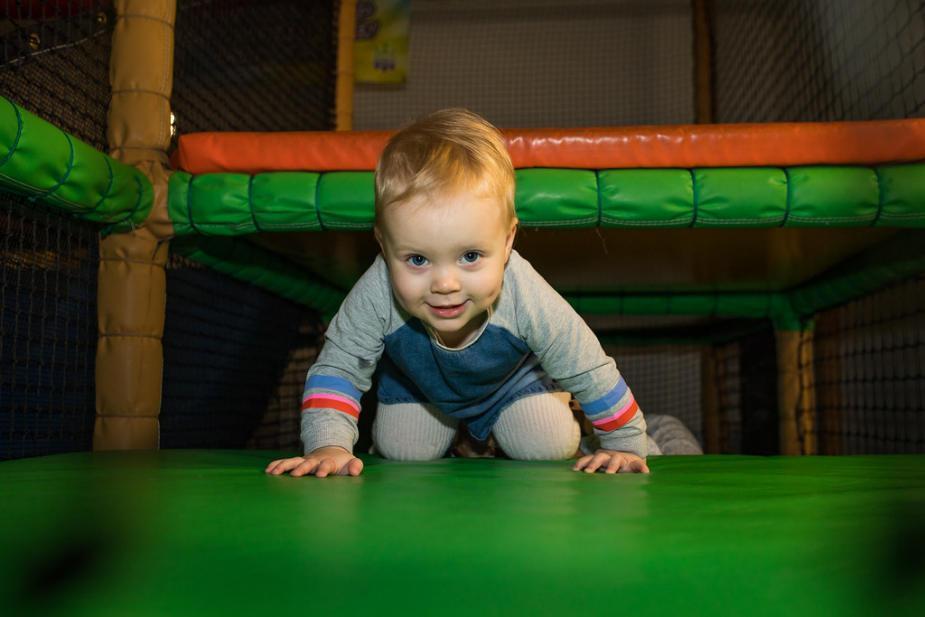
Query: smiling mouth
[(448, 311)]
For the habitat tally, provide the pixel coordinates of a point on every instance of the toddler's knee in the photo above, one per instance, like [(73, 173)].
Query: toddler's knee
[(538, 428), (407, 451), (411, 432)]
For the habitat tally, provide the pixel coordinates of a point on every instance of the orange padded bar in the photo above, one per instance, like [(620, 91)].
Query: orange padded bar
[(200, 153), (679, 146)]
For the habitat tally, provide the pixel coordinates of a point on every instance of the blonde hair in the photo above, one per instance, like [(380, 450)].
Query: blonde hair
[(447, 151)]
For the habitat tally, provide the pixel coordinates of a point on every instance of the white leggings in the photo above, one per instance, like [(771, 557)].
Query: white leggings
[(535, 427)]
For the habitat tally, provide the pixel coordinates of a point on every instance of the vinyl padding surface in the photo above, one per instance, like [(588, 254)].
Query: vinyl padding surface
[(207, 533)]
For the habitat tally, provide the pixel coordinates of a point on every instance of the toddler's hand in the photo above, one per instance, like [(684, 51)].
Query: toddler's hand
[(614, 461), (330, 460)]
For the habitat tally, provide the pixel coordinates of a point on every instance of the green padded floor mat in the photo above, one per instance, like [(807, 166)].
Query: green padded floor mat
[(189, 532)]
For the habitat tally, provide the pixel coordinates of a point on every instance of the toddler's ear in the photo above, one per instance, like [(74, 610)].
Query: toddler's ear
[(509, 242), (378, 234)]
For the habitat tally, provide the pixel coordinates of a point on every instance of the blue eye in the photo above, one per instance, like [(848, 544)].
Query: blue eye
[(416, 260), (470, 257)]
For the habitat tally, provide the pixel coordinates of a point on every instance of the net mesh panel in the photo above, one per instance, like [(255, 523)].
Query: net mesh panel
[(869, 367), (55, 64), (802, 60), (758, 419), (796, 60), (728, 380), (665, 379), (48, 267), (234, 360), (668, 378), (279, 428), (252, 65), (542, 63), (236, 356)]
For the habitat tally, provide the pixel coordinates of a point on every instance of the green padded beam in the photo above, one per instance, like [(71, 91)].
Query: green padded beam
[(45, 164), (226, 204), (250, 263), (892, 261), (897, 259), (772, 305)]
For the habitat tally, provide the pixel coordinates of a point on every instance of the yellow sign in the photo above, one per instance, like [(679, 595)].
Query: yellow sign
[(381, 48)]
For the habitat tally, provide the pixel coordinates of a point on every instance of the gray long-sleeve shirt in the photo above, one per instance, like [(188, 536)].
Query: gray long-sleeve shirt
[(533, 342)]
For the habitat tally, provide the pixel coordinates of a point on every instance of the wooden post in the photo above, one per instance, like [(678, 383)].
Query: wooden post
[(703, 62), (796, 391)]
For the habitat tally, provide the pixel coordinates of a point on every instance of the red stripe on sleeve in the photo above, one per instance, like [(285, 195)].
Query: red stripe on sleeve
[(620, 420), (328, 403)]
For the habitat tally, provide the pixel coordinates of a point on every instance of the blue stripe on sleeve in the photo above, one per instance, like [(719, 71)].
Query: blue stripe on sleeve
[(329, 382), (607, 401)]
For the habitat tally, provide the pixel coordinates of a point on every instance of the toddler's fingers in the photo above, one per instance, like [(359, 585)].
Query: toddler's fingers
[(353, 468), (326, 467), (306, 467), (282, 465), (274, 464), (581, 462), (599, 459), (639, 466), (616, 462)]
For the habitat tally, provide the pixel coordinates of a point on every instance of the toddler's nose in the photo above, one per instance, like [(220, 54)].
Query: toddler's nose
[(444, 282)]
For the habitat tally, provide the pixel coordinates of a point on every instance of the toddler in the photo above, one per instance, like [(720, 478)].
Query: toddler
[(460, 326)]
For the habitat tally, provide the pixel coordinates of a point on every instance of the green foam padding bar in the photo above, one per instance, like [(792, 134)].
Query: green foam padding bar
[(896, 259), (885, 196), (345, 200), (772, 305), (899, 258), (556, 198), (252, 264), (45, 164), (746, 305)]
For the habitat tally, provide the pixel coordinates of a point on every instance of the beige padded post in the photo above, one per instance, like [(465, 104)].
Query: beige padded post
[(796, 391), (129, 356), (132, 282)]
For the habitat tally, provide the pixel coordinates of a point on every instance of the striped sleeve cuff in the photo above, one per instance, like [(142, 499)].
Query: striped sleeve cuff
[(613, 410), (330, 392)]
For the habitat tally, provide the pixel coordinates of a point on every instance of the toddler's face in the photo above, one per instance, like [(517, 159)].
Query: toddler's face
[(446, 260)]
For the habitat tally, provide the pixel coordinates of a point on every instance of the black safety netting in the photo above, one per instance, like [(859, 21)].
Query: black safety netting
[(254, 65), (55, 64), (719, 375), (48, 268), (805, 60), (235, 358), (869, 373)]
